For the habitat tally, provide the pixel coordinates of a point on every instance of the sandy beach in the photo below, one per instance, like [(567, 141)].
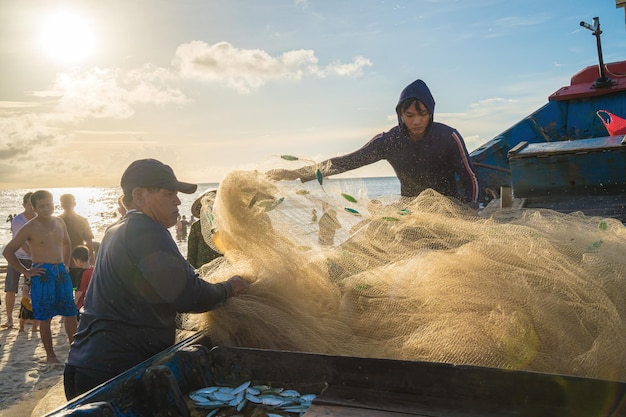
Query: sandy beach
[(25, 377)]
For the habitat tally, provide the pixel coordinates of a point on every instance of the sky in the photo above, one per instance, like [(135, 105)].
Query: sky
[(212, 86)]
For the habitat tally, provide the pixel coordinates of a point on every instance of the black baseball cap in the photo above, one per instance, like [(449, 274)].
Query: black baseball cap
[(153, 173)]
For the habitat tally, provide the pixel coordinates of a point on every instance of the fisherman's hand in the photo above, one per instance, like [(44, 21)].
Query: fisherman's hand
[(238, 284), (282, 174)]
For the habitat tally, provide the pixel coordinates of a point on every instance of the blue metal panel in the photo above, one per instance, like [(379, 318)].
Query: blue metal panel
[(556, 121), (582, 167), (491, 160), (583, 120)]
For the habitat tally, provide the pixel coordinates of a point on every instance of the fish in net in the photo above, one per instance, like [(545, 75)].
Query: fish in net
[(417, 279)]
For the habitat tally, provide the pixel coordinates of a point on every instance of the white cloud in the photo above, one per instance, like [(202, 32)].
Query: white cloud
[(245, 70), (92, 94), (20, 134)]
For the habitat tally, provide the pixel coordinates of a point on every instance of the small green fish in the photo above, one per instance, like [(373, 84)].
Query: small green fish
[(390, 219), (269, 205), (289, 157), (595, 245), (319, 176), (348, 197), (404, 212), (362, 287), (352, 211)]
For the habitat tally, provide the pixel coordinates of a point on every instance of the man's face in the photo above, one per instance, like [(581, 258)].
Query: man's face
[(44, 207), (416, 120), (161, 206)]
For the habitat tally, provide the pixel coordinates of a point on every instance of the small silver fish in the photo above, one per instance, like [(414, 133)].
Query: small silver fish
[(273, 391), (308, 397), (289, 393), (242, 404), (204, 391), (253, 399), (253, 391), (241, 388), (212, 413), (198, 398), (222, 396), (295, 409), (271, 400), (209, 404)]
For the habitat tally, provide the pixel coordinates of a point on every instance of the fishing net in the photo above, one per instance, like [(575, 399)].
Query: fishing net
[(416, 279)]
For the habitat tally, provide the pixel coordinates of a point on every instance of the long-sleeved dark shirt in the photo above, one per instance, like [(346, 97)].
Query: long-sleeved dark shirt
[(428, 163), (434, 162), (140, 281)]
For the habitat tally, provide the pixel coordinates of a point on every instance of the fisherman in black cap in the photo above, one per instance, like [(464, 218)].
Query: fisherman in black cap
[(139, 284)]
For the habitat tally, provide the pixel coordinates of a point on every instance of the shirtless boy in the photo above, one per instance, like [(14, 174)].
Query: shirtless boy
[(50, 284)]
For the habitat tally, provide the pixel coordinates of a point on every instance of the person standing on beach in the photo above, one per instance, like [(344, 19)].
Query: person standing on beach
[(77, 226), (198, 250), (423, 153), (12, 280), (50, 284), (139, 284)]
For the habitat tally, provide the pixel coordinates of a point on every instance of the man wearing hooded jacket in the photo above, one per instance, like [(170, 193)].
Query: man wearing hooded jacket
[(423, 153)]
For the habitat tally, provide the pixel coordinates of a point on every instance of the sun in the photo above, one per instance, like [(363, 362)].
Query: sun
[(67, 37)]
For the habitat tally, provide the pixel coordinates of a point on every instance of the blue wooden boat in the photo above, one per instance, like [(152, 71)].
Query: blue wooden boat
[(562, 156), (344, 386)]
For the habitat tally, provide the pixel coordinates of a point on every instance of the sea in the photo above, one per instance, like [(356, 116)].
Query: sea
[(99, 204)]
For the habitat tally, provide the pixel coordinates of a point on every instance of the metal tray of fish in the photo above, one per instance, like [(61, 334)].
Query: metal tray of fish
[(196, 379)]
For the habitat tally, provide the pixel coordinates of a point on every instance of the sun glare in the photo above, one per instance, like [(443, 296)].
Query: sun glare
[(67, 37)]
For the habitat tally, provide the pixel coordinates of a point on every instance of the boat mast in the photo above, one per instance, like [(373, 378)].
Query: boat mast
[(603, 81)]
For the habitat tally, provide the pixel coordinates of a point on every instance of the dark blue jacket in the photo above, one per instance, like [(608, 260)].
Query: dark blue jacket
[(433, 162), (140, 281)]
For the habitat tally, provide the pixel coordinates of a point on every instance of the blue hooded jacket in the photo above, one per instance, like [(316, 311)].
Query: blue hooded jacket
[(420, 91), (436, 161)]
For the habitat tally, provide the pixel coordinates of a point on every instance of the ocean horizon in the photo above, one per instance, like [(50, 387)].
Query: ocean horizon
[(99, 204)]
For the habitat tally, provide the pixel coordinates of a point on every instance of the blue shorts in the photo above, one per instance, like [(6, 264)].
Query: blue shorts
[(12, 281), (52, 293)]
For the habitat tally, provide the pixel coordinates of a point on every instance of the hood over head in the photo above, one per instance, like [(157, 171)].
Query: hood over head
[(416, 90)]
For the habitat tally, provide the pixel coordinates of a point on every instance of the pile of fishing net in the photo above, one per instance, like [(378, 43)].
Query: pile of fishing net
[(416, 279)]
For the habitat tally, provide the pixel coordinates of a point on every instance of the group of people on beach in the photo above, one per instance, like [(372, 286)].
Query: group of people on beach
[(140, 281), (61, 246)]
